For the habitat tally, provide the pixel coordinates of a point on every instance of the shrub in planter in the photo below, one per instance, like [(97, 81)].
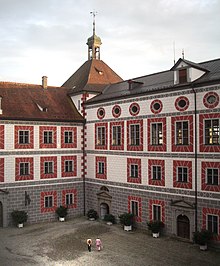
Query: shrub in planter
[(126, 219), (109, 218), (92, 214), (155, 226), (19, 217), (202, 237), (61, 211)]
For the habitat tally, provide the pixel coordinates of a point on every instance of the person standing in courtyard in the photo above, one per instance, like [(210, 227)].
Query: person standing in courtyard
[(89, 244), (98, 243)]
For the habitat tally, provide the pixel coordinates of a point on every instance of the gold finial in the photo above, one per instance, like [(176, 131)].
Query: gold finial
[(93, 13)]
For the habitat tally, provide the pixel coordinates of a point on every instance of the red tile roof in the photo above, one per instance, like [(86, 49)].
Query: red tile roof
[(32, 102)]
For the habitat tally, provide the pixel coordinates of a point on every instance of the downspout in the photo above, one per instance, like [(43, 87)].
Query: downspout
[(196, 160), (84, 177)]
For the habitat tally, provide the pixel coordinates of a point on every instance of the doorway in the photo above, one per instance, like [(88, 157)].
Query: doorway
[(183, 226), (104, 209), (1, 214)]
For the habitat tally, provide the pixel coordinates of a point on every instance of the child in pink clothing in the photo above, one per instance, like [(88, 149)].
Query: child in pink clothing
[(98, 244)]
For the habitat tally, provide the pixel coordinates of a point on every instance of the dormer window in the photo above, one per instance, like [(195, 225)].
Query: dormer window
[(182, 76)]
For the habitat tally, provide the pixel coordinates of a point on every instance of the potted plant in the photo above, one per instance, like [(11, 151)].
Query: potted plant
[(61, 212), (92, 215), (110, 219), (155, 226), (19, 218), (126, 219), (202, 238)]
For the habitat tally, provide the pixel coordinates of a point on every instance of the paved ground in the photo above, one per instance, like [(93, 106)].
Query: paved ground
[(64, 244)]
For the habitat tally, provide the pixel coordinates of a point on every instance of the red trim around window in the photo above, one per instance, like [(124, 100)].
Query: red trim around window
[(203, 147), (135, 147), (42, 196), (69, 158), (211, 211), (130, 179), (41, 135), (182, 98), (152, 108), (74, 133), (206, 186), (101, 147), (162, 147), (210, 105), (103, 160), (2, 136), (138, 199), (151, 181), (182, 148), (69, 191), (19, 177), (188, 164), (157, 202), (117, 147), (48, 159), (131, 107), (30, 145), (2, 167)]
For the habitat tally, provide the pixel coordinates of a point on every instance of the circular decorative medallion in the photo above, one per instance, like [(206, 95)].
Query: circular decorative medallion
[(134, 109), (116, 111), (211, 99), (182, 103), (101, 113), (156, 106)]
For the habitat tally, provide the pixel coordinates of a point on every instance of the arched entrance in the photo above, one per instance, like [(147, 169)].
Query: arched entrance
[(1, 214), (183, 226), (104, 209)]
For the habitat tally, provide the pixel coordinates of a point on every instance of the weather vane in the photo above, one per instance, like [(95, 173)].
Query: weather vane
[(93, 13)]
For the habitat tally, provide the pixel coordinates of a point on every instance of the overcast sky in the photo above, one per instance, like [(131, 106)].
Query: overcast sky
[(48, 37)]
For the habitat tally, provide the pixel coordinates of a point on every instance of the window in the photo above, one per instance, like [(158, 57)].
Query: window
[(48, 201), (135, 135), (24, 169), (182, 133), (182, 75), (134, 171), (156, 212), (68, 137), (116, 111), (134, 109), (156, 134), (156, 106), (48, 137), (24, 137), (212, 223), (101, 113), (212, 136), (68, 166), (69, 199), (48, 167), (101, 168), (156, 172), (182, 103), (116, 135), (182, 174), (101, 131), (134, 208), (212, 176)]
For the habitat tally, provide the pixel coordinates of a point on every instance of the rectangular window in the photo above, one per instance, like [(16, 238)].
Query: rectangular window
[(68, 137), (135, 135), (156, 212), (182, 174), (24, 137), (156, 134), (182, 133), (212, 175), (134, 170), (212, 136), (116, 135), (156, 170), (68, 166), (134, 208), (24, 168), (101, 167), (101, 136), (48, 167), (212, 223), (48, 137), (69, 199), (48, 201), (182, 76)]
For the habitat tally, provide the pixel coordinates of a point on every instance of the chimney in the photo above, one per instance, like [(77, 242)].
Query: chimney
[(44, 82), (0, 105)]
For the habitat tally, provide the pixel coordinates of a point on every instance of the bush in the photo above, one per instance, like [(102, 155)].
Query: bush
[(202, 237), (61, 211), (19, 217), (109, 218), (126, 219), (92, 214), (155, 226)]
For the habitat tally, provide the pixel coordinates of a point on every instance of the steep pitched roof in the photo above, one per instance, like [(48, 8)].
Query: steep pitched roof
[(92, 76), (157, 82), (32, 102)]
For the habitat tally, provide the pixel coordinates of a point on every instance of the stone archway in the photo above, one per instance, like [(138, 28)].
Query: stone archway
[(104, 209), (183, 226), (1, 214), (104, 201)]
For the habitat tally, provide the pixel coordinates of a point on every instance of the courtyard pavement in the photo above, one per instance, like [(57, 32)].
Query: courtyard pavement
[(64, 244)]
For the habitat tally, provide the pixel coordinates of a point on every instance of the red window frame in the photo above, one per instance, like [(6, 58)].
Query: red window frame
[(188, 164), (48, 159), (2, 136), (205, 186), (30, 145), (151, 181), (211, 211), (41, 137), (137, 162), (160, 203), (135, 147), (30, 176), (102, 160), (74, 132), (69, 191), (139, 200), (2, 171), (69, 158), (117, 147), (101, 147), (45, 194)]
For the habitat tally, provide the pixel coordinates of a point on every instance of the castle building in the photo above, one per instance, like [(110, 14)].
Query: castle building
[(149, 145)]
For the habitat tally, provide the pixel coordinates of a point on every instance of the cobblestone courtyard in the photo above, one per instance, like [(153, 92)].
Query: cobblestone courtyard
[(56, 243)]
